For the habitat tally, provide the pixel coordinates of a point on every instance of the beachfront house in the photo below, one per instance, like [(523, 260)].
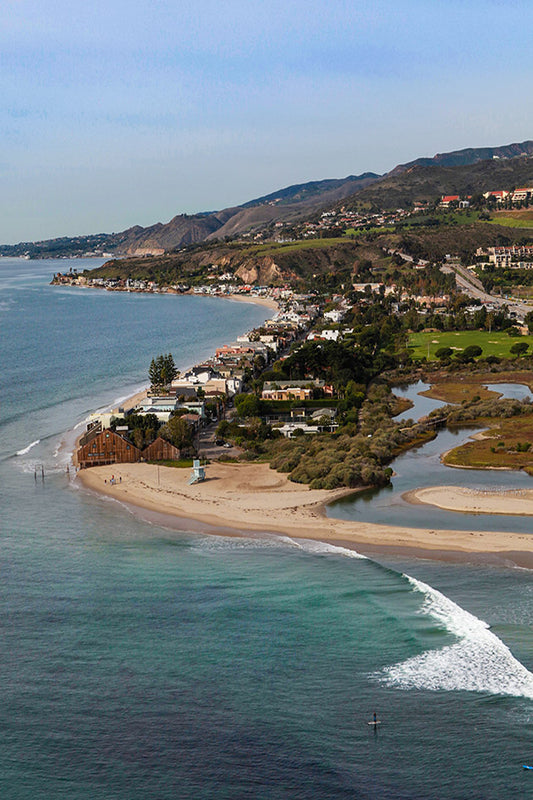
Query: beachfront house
[(161, 406), (98, 448), (161, 450)]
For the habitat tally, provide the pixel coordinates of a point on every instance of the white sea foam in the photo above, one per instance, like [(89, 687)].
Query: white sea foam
[(323, 548), (477, 662), (263, 542), (80, 424), (30, 467), (213, 543), (28, 448)]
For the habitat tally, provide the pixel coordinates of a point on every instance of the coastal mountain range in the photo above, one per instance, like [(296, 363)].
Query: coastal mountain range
[(465, 171)]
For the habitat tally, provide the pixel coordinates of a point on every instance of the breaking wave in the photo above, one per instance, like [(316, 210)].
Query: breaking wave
[(28, 448), (323, 548), (478, 662)]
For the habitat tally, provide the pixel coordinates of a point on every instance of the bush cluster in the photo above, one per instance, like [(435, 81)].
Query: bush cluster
[(349, 457), (484, 408)]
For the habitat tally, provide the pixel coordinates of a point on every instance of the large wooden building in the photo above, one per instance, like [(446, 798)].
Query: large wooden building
[(161, 450), (106, 447), (98, 448)]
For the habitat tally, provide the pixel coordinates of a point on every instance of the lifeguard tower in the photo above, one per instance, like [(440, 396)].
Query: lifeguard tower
[(198, 472)]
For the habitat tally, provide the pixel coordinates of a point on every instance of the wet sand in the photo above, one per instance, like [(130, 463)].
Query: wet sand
[(244, 499)]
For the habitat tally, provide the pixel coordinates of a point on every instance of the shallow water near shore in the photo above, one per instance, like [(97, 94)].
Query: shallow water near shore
[(139, 662)]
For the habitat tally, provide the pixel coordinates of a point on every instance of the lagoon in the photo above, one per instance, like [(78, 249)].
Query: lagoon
[(421, 467)]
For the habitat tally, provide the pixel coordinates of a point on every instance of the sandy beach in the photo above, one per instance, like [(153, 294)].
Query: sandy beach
[(457, 498), (239, 499), (268, 302)]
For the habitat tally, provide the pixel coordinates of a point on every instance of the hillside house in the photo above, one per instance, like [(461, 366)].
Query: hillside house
[(499, 196), (235, 350), (273, 391), (161, 406), (335, 315), (507, 256), (325, 335), (447, 200), (521, 195)]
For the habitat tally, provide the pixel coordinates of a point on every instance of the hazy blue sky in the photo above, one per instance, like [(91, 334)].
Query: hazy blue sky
[(117, 113)]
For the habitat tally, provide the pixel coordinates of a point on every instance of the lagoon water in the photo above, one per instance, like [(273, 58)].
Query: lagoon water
[(421, 467), (138, 662)]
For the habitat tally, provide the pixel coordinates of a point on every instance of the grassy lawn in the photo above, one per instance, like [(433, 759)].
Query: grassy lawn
[(304, 244), (521, 218), (496, 343), (499, 449), (512, 222), (363, 231)]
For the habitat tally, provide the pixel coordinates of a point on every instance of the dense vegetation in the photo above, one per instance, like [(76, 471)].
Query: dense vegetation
[(357, 454), (162, 371), (507, 442), (504, 279)]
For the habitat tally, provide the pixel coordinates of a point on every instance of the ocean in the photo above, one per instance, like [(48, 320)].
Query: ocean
[(141, 662)]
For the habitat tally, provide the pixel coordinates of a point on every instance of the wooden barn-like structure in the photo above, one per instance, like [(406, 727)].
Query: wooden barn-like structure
[(106, 447), (161, 450), (100, 447)]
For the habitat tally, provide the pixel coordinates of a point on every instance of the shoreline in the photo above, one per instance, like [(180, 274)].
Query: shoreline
[(244, 500), (253, 299), (131, 401), (251, 499)]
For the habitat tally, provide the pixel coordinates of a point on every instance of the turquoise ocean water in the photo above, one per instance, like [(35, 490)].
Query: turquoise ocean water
[(139, 662)]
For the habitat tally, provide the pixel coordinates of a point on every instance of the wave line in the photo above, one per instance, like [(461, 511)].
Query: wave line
[(478, 662)]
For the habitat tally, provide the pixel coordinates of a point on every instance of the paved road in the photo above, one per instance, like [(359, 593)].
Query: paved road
[(207, 447), (472, 286)]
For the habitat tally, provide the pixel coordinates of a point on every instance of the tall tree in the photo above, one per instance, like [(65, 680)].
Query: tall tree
[(162, 371)]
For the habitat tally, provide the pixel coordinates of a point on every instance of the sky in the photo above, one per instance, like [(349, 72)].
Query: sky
[(122, 112)]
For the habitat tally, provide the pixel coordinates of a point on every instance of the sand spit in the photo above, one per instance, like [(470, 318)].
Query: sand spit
[(251, 498)]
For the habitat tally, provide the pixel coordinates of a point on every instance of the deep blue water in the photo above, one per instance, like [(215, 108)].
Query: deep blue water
[(138, 662)]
